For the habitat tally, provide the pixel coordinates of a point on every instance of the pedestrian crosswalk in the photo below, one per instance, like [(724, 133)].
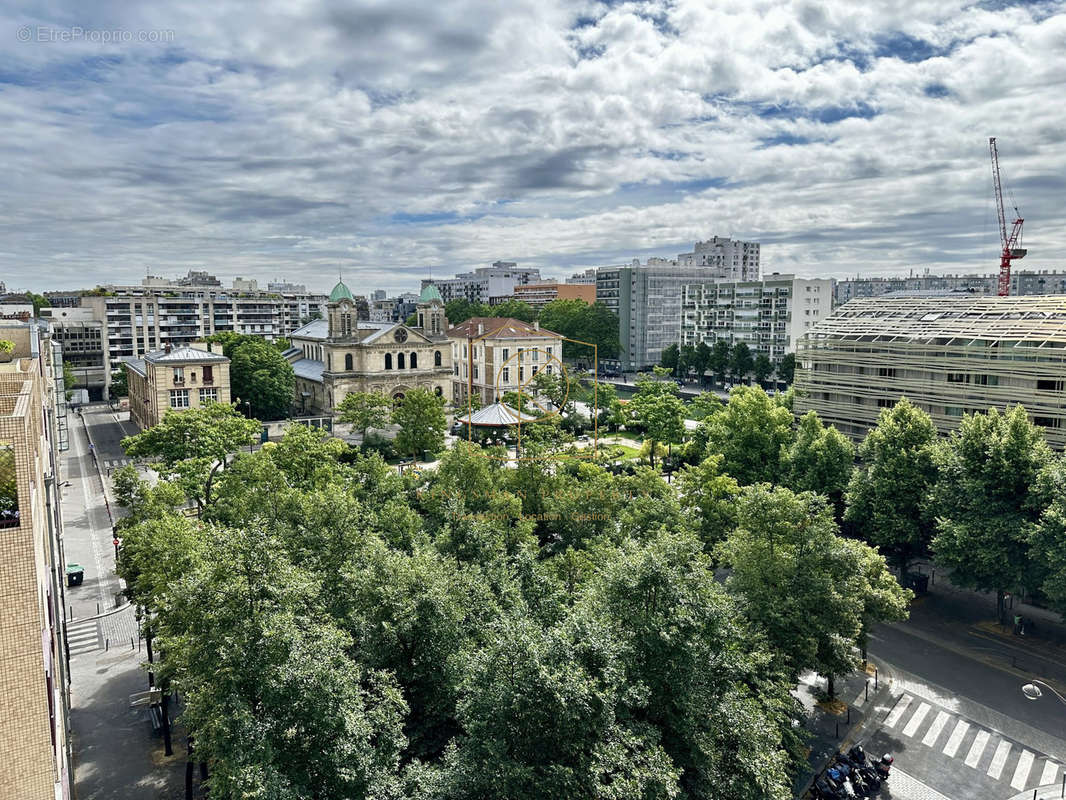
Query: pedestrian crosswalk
[(83, 637), (999, 758), (116, 463)]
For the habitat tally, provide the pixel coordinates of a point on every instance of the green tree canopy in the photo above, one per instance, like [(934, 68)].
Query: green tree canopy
[(985, 500), (786, 368), (259, 375), (516, 309), (660, 412), (461, 309), (821, 461), (712, 496), (741, 361), (763, 368), (38, 301), (752, 434), (670, 357), (718, 362), (420, 415), (887, 492), (365, 410), (576, 319)]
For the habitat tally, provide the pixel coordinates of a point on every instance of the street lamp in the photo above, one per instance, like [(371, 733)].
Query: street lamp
[(1032, 691)]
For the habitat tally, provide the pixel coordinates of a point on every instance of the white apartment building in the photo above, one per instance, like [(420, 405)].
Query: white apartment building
[(488, 285), (647, 297), (136, 320), (495, 355), (738, 260), (769, 315), (586, 277)]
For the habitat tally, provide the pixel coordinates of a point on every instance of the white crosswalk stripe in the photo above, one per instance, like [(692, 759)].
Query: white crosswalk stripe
[(1025, 770), (977, 748), (933, 733), (957, 735), (1021, 770), (999, 760), (1050, 774), (83, 638), (916, 720)]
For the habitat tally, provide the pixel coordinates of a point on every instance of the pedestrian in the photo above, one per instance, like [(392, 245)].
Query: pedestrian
[(1017, 624)]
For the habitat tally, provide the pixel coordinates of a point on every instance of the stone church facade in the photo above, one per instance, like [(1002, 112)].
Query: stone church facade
[(341, 354)]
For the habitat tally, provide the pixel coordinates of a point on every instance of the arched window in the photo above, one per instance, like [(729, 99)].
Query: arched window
[(348, 362), (438, 391), (399, 361), (436, 358), (388, 361), (414, 360)]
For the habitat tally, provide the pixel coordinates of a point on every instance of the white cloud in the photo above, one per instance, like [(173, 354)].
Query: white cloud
[(387, 138)]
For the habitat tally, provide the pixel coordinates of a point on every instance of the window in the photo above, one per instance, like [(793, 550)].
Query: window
[(521, 373), (549, 349), (958, 377), (506, 354), (885, 402), (549, 368), (179, 376), (536, 355), (886, 372), (520, 351), (208, 396), (534, 371), (179, 398), (437, 391), (209, 374), (506, 375), (399, 361), (414, 360), (455, 367), (1044, 385), (986, 380), (388, 361), (436, 358), (348, 365), (952, 411), (1048, 422), (475, 372)]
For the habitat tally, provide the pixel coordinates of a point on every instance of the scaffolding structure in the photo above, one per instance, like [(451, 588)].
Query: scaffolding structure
[(948, 355)]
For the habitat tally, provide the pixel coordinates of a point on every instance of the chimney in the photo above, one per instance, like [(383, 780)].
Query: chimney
[(480, 328), (536, 325), (166, 347)]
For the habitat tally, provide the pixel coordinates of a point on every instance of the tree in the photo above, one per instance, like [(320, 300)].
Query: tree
[(70, 378), (365, 410), (811, 591), (719, 359), (752, 434), (887, 492), (576, 319), (516, 309), (119, 383), (712, 497), (741, 361), (704, 405), (821, 460), (985, 500), (1048, 543), (420, 415), (261, 377), (670, 357), (763, 368), (39, 301), (659, 410), (193, 446), (461, 309), (686, 360), (702, 360), (786, 368)]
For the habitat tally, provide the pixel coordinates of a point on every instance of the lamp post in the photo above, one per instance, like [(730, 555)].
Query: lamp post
[(1032, 691), (247, 405)]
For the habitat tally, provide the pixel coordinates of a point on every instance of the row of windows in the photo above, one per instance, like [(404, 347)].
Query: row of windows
[(179, 398)]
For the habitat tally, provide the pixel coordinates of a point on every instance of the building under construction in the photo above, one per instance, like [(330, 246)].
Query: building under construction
[(950, 355)]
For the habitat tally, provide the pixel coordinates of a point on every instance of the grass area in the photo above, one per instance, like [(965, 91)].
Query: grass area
[(626, 452), (633, 436)]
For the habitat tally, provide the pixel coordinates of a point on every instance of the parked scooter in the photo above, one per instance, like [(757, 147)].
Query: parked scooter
[(881, 767), (837, 776), (864, 779), (824, 791)]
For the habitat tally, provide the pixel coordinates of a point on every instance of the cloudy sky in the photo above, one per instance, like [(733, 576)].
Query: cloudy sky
[(388, 140)]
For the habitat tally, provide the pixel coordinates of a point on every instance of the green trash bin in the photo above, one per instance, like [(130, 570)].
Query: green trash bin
[(75, 574)]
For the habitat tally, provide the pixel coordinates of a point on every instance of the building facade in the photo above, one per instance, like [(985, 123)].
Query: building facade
[(82, 337), (490, 285), (769, 315), (176, 378), (736, 260), (495, 355), (136, 320), (1022, 282), (34, 691), (539, 295), (949, 355), (343, 354), (588, 277)]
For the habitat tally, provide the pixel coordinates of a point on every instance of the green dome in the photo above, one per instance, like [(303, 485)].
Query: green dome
[(340, 292), (429, 294)]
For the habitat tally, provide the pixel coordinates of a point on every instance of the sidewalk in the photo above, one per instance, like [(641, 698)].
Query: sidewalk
[(116, 752), (834, 729)]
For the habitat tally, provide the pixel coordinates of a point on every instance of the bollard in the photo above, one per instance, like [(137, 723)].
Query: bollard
[(97, 608), (867, 689), (1063, 793), (933, 578), (107, 645), (875, 679), (131, 643)]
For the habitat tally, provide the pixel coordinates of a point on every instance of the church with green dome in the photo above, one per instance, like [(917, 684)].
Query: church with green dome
[(341, 354)]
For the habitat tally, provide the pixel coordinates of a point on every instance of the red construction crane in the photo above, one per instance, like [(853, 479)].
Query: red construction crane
[(1009, 242)]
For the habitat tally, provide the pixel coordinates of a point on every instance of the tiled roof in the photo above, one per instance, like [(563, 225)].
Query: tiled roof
[(308, 368), (184, 355), (499, 328)]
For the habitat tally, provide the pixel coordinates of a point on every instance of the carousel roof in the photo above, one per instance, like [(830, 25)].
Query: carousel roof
[(497, 415)]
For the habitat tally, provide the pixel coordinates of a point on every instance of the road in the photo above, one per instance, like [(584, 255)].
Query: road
[(957, 721)]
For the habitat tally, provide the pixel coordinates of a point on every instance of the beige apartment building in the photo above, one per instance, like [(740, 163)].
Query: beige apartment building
[(539, 295), (34, 684), (176, 378), (950, 355), (495, 355)]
